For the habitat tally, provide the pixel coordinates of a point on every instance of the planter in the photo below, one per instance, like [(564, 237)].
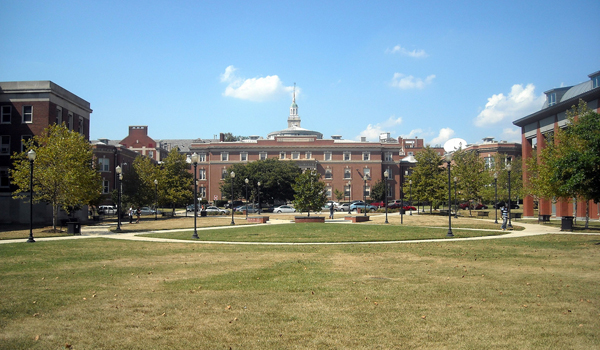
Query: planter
[(300, 219), (357, 218), (258, 219)]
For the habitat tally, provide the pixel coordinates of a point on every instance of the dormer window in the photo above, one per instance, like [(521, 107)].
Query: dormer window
[(551, 99), (596, 81)]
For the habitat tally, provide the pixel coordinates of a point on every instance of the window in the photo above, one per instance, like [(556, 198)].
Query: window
[(104, 164), (308, 155), (367, 191), (262, 155), (6, 112), (347, 173), (70, 124), (24, 140), (281, 155), (243, 156), (328, 192), (347, 156), (202, 174), (223, 174), (388, 157), (390, 174), (105, 187), (202, 157), (390, 191), (411, 153), (80, 127), (367, 173), (295, 155), (59, 118), (151, 154), (347, 191), (489, 162), (4, 178), (327, 156), (366, 155), (328, 174), (4, 144), (596, 82), (202, 192), (224, 156), (551, 99), (27, 114)]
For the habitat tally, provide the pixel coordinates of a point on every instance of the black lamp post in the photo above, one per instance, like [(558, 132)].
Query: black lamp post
[(195, 158), (120, 177), (385, 176), (258, 183), (155, 199), (448, 161), (365, 194), (455, 199), (246, 181), (496, 196), (410, 195), (31, 155), (509, 168), (232, 174), (349, 193)]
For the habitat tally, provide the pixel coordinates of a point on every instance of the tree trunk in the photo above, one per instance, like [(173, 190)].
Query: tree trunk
[(587, 214), (54, 215)]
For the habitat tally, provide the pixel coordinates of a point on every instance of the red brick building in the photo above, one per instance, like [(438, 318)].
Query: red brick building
[(553, 115), (488, 148)]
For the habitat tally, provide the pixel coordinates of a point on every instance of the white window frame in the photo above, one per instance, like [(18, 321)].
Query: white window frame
[(367, 172), (30, 114), (104, 164), (366, 156), (282, 155), (327, 156), (347, 172), (202, 192), (224, 174), (308, 155), (346, 191), (224, 156), (70, 121), (367, 191), (80, 126), (389, 157), (5, 146), (201, 174), (105, 186), (59, 118), (4, 178), (347, 156), (328, 192), (328, 174), (295, 155), (390, 174), (6, 114), (243, 156), (202, 157), (262, 155)]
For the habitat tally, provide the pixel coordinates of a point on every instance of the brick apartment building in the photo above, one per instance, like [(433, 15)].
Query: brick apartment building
[(553, 115), (26, 109)]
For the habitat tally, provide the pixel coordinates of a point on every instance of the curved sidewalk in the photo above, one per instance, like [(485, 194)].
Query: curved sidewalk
[(95, 231)]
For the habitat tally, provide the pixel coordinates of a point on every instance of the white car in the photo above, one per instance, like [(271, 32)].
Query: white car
[(213, 209), (330, 203), (284, 209)]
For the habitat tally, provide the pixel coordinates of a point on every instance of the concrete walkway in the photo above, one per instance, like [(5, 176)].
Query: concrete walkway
[(103, 231)]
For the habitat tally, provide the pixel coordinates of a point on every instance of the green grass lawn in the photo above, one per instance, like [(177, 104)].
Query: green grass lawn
[(526, 293)]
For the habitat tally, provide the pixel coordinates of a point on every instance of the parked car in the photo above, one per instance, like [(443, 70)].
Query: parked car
[(235, 204), (478, 206), (379, 204), (147, 211), (362, 206), (213, 209), (513, 205), (107, 209), (191, 208), (409, 207), (342, 207), (334, 203), (284, 209), (250, 208)]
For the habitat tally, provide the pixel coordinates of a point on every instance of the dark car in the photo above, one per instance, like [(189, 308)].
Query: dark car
[(513, 205), (235, 204), (465, 206)]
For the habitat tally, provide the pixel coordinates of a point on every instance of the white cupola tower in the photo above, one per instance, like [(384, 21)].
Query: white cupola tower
[(294, 118)]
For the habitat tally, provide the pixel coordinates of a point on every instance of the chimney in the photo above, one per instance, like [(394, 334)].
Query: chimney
[(221, 137)]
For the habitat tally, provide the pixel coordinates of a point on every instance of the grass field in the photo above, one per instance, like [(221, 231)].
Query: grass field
[(97, 293)]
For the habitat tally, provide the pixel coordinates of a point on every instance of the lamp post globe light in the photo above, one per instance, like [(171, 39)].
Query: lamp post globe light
[(195, 159), (365, 194), (120, 177), (232, 174), (258, 183), (455, 199), (385, 176), (509, 168), (31, 156), (410, 195), (246, 181), (155, 199), (496, 196), (448, 161)]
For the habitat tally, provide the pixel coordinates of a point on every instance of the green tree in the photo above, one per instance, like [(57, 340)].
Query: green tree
[(138, 183), (63, 173), (378, 191), (309, 192), (472, 178), (428, 177), (339, 195), (175, 181)]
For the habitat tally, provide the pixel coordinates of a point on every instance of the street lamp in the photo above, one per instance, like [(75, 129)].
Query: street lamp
[(349, 193), (155, 199), (232, 174), (455, 199), (448, 161), (258, 197), (385, 176), (496, 196), (365, 194), (31, 155), (120, 177), (509, 168), (246, 181), (410, 195), (195, 159)]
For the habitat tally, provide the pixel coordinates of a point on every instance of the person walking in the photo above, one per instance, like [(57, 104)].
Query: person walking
[(331, 210), (504, 214), (138, 212)]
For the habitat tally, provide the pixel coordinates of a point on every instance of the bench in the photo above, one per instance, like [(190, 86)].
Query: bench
[(483, 213), (258, 219), (516, 215), (444, 212), (544, 218), (357, 218)]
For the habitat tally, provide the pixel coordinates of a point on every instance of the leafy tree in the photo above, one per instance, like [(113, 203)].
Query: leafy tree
[(229, 137), (309, 192), (378, 191), (63, 173), (138, 183), (175, 181), (472, 179), (428, 177), (339, 195)]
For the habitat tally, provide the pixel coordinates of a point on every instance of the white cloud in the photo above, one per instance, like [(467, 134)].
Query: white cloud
[(520, 102), (414, 133), (403, 51), (409, 82), (512, 134), (444, 135), (253, 89), (372, 132)]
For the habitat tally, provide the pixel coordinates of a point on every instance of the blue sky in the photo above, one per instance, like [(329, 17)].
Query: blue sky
[(192, 69)]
